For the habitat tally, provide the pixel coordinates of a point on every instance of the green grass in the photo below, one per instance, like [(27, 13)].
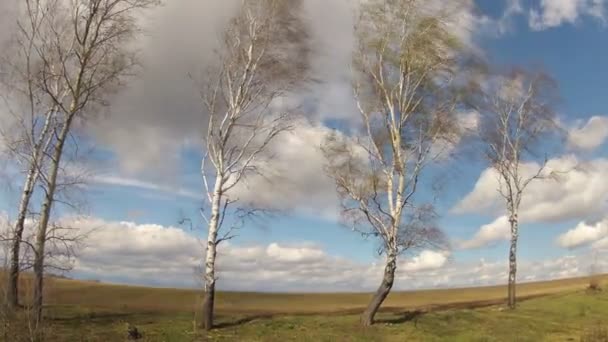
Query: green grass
[(80, 311)]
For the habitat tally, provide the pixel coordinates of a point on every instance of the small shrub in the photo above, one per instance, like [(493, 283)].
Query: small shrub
[(594, 284), (133, 333)]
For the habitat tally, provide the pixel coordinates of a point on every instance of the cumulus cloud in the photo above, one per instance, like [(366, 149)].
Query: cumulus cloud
[(150, 254), (144, 251), (332, 27), (580, 191), (590, 135), (542, 14), (296, 178), (160, 111), (584, 234), (487, 234), (552, 13), (426, 260)]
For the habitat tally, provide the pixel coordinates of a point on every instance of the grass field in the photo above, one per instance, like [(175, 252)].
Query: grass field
[(552, 311)]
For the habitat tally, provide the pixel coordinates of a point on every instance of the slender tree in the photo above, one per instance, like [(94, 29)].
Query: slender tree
[(517, 122), (81, 45), (403, 71), (263, 56), (27, 134)]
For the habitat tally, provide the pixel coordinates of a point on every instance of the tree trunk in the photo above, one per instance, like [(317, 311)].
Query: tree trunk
[(209, 296), (45, 215), (26, 195), (513, 261), (13, 278), (39, 278), (208, 306), (367, 318)]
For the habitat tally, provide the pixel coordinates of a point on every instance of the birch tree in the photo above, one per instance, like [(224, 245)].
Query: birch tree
[(27, 134), (403, 69), (263, 56), (517, 122), (83, 46)]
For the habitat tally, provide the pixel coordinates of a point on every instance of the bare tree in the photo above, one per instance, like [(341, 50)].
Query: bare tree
[(32, 117), (403, 70), (63, 242), (517, 119), (82, 56), (263, 56)]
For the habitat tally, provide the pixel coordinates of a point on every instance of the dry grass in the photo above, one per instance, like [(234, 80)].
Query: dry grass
[(562, 311), (145, 299)]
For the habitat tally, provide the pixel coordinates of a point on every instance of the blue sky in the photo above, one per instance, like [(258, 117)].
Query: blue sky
[(150, 178)]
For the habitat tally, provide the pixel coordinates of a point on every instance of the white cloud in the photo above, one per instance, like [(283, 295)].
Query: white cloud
[(553, 13), (487, 234), (584, 234), (463, 20), (149, 254), (296, 179), (601, 244), (484, 195), (293, 180), (290, 254), (504, 23), (589, 136), (579, 192), (426, 260), (160, 111), (132, 253)]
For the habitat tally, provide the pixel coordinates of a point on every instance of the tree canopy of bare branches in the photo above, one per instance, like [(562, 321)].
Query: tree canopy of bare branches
[(28, 133), (517, 123), (404, 68), (76, 54), (263, 57)]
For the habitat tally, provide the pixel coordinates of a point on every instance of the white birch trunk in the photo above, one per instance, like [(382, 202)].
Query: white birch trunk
[(209, 297), (26, 195), (513, 259), (45, 215)]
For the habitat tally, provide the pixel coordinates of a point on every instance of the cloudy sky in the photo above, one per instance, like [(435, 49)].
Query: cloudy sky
[(146, 177)]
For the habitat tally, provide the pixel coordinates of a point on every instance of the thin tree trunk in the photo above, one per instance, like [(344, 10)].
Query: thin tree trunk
[(367, 318), (209, 296), (13, 278), (26, 195), (45, 217), (513, 261)]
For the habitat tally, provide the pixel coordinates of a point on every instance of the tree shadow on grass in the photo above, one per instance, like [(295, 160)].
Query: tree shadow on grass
[(241, 321), (397, 315), (93, 317), (402, 317)]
